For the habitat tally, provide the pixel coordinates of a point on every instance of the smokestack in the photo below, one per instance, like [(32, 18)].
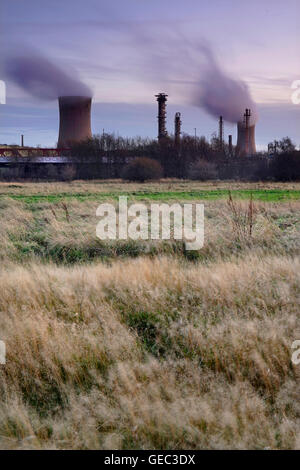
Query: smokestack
[(162, 131), (177, 129), (246, 137), (22, 140), (230, 144), (75, 119), (221, 132)]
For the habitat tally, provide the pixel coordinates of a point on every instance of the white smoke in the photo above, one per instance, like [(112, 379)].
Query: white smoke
[(188, 69), (42, 78), (221, 95)]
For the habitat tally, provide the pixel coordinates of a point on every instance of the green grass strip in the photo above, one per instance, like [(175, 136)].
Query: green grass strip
[(268, 195)]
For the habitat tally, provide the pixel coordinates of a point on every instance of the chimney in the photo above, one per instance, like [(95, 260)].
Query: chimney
[(246, 137), (161, 99), (230, 144), (221, 132), (75, 119), (177, 129)]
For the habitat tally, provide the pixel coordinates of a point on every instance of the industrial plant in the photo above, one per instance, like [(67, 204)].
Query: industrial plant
[(83, 155), (177, 152), (75, 126)]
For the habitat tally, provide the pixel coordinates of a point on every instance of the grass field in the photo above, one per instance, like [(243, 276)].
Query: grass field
[(160, 191), (141, 344)]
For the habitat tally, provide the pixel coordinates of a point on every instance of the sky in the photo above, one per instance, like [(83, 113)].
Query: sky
[(127, 51)]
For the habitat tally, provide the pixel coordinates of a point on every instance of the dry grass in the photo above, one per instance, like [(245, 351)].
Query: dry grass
[(153, 352), (107, 186), (65, 232)]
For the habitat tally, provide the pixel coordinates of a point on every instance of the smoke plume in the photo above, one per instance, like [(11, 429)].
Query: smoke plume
[(41, 78), (188, 69), (221, 95)]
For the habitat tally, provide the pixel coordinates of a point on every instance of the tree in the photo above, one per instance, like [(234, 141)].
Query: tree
[(286, 166), (202, 170), (142, 169), (285, 145)]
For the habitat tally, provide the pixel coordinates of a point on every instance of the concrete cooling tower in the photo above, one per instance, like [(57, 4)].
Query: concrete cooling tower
[(246, 140), (75, 119), (246, 137)]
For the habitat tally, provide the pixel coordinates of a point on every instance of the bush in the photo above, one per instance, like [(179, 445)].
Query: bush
[(286, 166), (68, 173), (202, 170), (142, 169)]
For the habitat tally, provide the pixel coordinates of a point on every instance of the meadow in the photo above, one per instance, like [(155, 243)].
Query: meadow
[(143, 345)]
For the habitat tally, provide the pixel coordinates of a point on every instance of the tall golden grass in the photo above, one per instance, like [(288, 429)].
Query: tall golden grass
[(156, 352), (151, 354)]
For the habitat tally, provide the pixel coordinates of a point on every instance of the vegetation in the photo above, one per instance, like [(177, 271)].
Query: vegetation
[(163, 190), (286, 166), (142, 169), (109, 156), (194, 158), (141, 344), (203, 170), (285, 145)]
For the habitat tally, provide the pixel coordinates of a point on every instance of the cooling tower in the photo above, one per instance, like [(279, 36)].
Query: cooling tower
[(75, 119), (246, 140)]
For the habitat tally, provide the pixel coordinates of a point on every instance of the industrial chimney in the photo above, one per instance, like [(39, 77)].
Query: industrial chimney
[(177, 129), (246, 137), (75, 119), (162, 131), (230, 144), (221, 132)]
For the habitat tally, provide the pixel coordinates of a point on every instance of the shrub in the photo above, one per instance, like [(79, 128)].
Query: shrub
[(68, 173), (202, 170), (286, 166), (142, 169)]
